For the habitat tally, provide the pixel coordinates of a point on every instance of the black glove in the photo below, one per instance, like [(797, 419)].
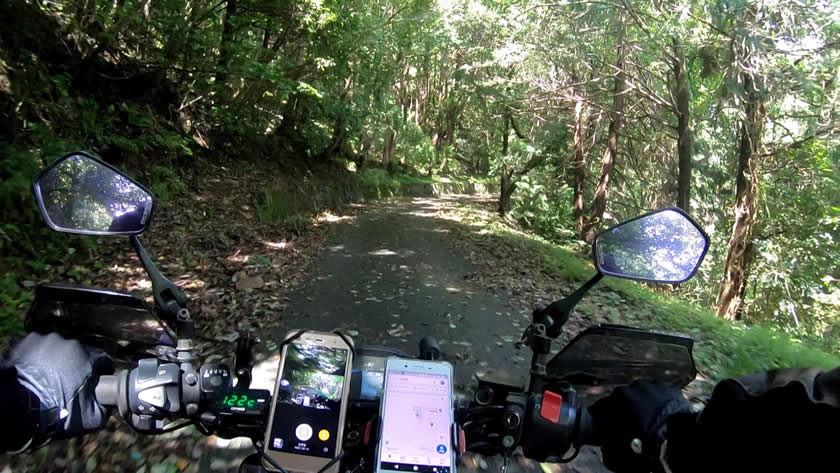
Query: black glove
[(62, 375), (780, 420), (632, 421)]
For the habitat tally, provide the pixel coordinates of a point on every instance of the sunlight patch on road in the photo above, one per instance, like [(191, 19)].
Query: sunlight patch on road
[(329, 217), (387, 252), (424, 214), (189, 281), (238, 258), (126, 270), (276, 245)]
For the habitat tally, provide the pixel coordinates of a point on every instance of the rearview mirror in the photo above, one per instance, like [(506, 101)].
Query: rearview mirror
[(81, 194), (664, 246)]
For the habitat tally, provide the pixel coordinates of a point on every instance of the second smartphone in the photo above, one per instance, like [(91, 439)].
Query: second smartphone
[(306, 423), (417, 418)]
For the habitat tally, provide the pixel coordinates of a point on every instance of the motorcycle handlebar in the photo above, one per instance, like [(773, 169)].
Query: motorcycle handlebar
[(584, 431), (107, 390)]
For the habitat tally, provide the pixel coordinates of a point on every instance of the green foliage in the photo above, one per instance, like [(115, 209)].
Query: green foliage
[(545, 208), (276, 206), (13, 302), (164, 183), (294, 207), (378, 184)]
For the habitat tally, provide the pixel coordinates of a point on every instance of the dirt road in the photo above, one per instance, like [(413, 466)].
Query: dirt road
[(393, 275)]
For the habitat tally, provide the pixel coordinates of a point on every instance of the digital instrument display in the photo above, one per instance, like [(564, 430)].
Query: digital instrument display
[(238, 400), (417, 423), (308, 403), (251, 401)]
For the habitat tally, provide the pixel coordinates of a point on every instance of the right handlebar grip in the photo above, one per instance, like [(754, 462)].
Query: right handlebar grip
[(589, 432), (108, 390)]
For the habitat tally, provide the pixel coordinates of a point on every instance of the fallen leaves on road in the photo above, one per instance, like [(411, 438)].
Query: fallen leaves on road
[(236, 273)]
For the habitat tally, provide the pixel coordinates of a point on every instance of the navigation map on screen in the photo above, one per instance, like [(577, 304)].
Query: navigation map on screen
[(416, 430)]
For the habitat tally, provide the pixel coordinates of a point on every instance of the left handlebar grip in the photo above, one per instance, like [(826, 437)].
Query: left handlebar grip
[(108, 390)]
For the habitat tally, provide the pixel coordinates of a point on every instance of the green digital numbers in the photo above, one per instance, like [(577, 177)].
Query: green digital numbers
[(238, 400)]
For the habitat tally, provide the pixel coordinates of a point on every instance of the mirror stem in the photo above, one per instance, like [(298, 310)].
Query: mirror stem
[(169, 299), (560, 311)]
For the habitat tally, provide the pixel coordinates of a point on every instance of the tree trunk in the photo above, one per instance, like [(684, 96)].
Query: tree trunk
[(338, 140), (224, 46), (683, 128), (602, 191), (739, 251), (449, 142), (506, 190), (367, 142), (392, 151), (579, 166), (506, 186), (387, 149)]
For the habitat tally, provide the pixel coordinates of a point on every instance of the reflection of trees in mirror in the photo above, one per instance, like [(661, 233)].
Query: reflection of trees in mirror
[(664, 246), (82, 194)]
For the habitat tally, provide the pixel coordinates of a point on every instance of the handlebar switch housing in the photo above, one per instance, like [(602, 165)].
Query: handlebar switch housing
[(154, 394), (551, 425), (513, 418), (214, 379)]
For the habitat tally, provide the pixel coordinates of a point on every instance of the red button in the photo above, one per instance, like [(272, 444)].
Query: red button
[(368, 429), (551, 404)]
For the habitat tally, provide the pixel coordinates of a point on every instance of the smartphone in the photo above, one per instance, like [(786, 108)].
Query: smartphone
[(306, 422), (417, 418)]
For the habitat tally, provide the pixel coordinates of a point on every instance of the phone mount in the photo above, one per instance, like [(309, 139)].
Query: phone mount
[(248, 466)]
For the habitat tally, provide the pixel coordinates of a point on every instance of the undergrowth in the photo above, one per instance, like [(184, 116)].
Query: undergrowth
[(293, 205)]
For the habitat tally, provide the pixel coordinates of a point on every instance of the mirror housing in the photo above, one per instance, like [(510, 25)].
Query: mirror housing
[(81, 194), (664, 246)]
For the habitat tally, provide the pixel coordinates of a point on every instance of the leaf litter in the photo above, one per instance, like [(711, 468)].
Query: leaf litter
[(236, 272)]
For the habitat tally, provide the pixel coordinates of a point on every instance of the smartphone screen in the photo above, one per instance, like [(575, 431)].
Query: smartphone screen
[(308, 400), (416, 423)]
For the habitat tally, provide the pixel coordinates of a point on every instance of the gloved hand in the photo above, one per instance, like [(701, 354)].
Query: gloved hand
[(62, 375), (632, 420)]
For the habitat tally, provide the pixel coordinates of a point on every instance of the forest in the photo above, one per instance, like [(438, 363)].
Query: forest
[(577, 113)]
